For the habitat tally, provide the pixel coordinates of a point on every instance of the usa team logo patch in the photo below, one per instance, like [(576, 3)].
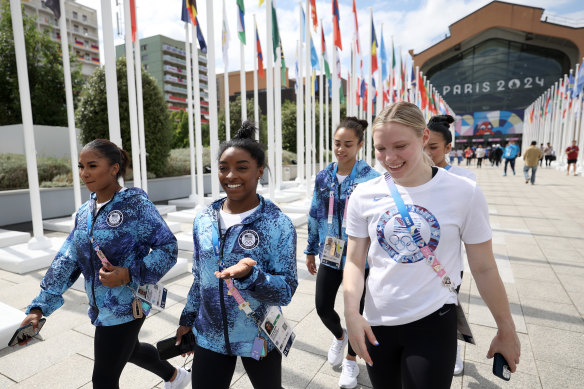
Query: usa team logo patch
[(115, 218), (248, 239)]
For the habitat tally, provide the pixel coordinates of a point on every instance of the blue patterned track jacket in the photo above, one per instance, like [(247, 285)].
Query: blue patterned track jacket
[(318, 228), (268, 237), (131, 233)]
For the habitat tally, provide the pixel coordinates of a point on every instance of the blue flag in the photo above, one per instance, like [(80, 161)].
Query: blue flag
[(313, 55)]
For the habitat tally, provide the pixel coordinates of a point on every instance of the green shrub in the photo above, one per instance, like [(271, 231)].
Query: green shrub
[(13, 172)]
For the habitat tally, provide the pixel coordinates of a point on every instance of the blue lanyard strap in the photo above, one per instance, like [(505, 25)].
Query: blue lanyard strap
[(429, 255), (448, 167), (351, 180)]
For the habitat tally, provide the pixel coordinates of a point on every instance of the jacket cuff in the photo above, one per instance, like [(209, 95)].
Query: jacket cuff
[(247, 281)]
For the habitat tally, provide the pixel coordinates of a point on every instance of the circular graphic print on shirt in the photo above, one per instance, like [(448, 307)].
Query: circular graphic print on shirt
[(248, 239), (114, 218), (397, 241)]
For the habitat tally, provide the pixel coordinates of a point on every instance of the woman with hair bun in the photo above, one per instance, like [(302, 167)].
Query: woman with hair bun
[(409, 225), (326, 236), (119, 242), (244, 267)]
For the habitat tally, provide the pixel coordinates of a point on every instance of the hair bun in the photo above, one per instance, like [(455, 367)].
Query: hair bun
[(246, 131), (364, 124), (446, 119)]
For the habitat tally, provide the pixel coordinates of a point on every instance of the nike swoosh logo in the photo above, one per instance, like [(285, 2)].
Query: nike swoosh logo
[(378, 198), (443, 313)]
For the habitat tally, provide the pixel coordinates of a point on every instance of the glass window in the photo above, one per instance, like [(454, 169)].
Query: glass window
[(84, 18), (75, 15)]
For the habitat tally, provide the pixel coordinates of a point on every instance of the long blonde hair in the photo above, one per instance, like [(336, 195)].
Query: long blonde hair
[(407, 114)]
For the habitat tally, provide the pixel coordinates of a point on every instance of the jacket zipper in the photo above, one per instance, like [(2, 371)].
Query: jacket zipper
[(91, 250), (339, 214), (222, 299)]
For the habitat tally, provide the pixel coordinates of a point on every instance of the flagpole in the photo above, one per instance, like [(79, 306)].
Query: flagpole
[(270, 94), (322, 147), (326, 121), (39, 241), (370, 86), (213, 122), (197, 105), (300, 168), (313, 129), (70, 108), (379, 99), (225, 42), (278, 117), (139, 95), (307, 102), (242, 74), (190, 110), (111, 83), (256, 109), (132, 105)]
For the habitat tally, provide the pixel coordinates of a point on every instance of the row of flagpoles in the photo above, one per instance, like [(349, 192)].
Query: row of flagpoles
[(391, 76), (556, 116)]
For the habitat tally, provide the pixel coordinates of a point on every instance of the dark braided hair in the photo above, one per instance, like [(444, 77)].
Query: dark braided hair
[(441, 124), (244, 139), (112, 152), (357, 125)]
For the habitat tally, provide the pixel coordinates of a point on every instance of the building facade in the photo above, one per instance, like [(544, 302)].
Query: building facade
[(82, 30), (495, 62), (165, 60)]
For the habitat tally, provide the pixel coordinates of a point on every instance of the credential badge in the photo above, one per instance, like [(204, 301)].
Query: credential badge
[(248, 239)]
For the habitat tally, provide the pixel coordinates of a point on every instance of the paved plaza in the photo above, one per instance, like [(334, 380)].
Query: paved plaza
[(538, 240)]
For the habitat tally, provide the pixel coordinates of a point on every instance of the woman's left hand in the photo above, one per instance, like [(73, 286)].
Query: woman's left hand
[(240, 270), (114, 276), (506, 342)]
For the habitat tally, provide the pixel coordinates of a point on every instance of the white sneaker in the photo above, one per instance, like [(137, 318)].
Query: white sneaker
[(337, 349), (349, 374), (459, 365), (182, 379)]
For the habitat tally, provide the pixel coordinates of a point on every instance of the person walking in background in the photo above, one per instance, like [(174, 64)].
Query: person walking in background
[(480, 153), (407, 333), (511, 152), (468, 155), (531, 157), (459, 155), (548, 153), (496, 155), (119, 242), (244, 267), (335, 184), (542, 153), (572, 153)]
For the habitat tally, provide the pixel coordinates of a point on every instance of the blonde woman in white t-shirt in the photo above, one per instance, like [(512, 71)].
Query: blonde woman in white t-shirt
[(407, 333)]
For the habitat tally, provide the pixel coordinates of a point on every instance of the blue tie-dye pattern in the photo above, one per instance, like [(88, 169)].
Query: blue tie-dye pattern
[(318, 228), (272, 281), (142, 242)]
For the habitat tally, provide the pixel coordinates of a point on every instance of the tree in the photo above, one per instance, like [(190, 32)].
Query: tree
[(92, 116), (45, 74), (235, 120)]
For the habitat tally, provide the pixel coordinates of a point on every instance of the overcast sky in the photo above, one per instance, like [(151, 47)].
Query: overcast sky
[(413, 24)]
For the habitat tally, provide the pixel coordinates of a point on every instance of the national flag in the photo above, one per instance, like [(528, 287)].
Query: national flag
[(580, 82), (571, 85), (275, 31), (547, 104), (327, 70), (260, 55), (442, 107), (54, 6), (341, 94), (336, 25), (297, 76), (283, 66), (313, 55), (313, 13), (200, 37), (261, 2), (383, 57), (133, 19), (189, 10), (225, 39), (241, 21), (422, 89), (303, 25), (374, 98), (373, 49), (356, 29)]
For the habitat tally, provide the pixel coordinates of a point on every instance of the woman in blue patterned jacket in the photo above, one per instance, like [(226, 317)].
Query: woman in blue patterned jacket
[(244, 262), (327, 236), (138, 248)]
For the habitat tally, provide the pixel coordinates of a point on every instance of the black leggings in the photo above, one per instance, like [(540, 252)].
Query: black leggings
[(417, 355), (114, 346), (214, 370), (510, 161), (328, 281)]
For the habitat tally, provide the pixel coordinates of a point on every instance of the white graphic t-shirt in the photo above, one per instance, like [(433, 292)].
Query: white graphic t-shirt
[(402, 287), (459, 171)]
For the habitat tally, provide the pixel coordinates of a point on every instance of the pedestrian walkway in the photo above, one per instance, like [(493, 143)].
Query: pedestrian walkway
[(538, 240)]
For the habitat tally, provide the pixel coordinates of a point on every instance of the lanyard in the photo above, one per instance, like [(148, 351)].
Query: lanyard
[(232, 290), (431, 258), (332, 195), (98, 251), (448, 167)]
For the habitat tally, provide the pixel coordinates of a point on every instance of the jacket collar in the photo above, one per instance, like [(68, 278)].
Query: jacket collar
[(217, 204)]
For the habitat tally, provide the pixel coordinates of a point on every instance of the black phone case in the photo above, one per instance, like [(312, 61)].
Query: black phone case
[(167, 348), (14, 340), (501, 367)]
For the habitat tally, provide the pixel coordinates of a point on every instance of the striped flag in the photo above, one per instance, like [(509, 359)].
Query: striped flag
[(422, 89), (260, 55), (241, 21), (275, 31), (373, 49), (313, 13), (324, 56), (189, 9), (336, 27)]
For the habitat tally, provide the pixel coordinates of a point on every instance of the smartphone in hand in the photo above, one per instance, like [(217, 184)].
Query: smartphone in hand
[(26, 332), (501, 367)]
